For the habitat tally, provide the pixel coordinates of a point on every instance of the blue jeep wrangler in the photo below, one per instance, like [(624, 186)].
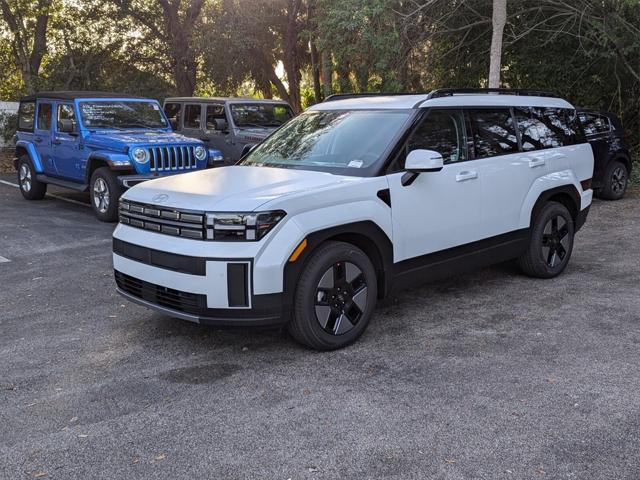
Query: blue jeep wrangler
[(100, 142)]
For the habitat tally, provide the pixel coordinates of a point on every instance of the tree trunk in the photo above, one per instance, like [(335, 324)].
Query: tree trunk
[(499, 20), (291, 64), (29, 59), (327, 71), (315, 73)]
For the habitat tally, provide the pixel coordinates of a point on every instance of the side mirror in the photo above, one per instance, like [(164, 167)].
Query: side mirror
[(221, 125), (67, 126), (247, 148), (421, 161)]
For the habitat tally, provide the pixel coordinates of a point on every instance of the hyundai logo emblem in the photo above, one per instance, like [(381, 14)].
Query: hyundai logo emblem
[(159, 198)]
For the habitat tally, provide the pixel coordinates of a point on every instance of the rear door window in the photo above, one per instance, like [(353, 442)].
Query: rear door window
[(192, 114), (26, 116), (44, 116), (494, 132)]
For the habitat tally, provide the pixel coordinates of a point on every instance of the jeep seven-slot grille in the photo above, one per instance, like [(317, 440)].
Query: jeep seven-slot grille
[(179, 223), (186, 302), (171, 158)]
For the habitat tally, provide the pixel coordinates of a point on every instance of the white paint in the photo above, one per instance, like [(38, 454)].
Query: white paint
[(57, 197), (4, 260)]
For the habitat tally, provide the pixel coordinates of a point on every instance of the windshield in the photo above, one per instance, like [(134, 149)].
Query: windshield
[(122, 114), (260, 114), (343, 141)]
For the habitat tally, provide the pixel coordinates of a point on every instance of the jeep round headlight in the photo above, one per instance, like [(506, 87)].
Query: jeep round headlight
[(200, 152), (140, 155)]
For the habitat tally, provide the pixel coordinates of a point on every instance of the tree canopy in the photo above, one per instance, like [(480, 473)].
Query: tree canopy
[(303, 50)]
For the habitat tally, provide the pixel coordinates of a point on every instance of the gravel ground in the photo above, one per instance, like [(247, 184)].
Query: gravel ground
[(491, 375)]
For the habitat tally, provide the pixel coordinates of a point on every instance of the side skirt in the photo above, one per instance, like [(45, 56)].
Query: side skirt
[(452, 261)]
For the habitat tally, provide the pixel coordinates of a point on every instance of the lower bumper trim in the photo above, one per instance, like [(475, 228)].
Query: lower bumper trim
[(273, 319)]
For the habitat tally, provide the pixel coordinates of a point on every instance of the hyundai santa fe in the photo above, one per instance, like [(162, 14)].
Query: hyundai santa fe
[(359, 195)]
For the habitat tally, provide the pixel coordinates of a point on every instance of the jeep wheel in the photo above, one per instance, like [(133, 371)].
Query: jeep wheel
[(615, 181), (105, 193), (30, 188), (550, 244), (335, 297)]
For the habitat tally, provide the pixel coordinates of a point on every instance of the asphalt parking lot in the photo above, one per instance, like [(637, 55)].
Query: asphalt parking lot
[(491, 375)]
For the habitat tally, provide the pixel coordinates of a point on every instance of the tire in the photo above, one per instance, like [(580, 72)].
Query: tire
[(30, 188), (614, 182), (334, 298), (105, 192), (550, 243)]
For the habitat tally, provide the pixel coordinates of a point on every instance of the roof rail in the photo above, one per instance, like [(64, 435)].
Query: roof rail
[(344, 96), (449, 92)]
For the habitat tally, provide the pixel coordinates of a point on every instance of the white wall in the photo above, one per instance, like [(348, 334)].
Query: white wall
[(7, 107)]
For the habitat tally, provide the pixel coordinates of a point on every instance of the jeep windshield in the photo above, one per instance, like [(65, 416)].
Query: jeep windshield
[(260, 115), (121, 115), (342, 141)]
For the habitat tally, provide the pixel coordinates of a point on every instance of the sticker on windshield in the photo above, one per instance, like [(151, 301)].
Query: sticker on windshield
[(355, 164), (155, 107)]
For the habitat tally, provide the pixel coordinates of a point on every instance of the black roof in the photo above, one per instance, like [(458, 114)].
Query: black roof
[(72, 95)]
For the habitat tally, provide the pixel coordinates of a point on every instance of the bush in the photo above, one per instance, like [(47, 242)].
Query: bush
[(8, 126)]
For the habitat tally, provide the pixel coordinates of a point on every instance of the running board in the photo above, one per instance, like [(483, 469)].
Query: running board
[(81, 187)]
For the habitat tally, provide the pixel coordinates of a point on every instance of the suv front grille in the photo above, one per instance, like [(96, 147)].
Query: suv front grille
[(179, 223), (171, 158), (192, 303)]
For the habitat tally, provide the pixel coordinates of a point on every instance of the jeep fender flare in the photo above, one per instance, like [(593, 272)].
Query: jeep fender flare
[(24, 147), (112, 160)]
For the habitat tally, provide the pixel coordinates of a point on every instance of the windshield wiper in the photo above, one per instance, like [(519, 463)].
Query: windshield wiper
[(251, 125)]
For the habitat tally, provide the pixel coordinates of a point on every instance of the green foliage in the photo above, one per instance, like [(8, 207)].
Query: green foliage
[(8, 126)]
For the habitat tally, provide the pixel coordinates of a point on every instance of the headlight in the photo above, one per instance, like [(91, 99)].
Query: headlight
[(200, 152), (241, 226), (140, 155)]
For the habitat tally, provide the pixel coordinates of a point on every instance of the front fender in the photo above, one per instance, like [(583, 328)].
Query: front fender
[(270, 263), (33, 154), (114, 160)]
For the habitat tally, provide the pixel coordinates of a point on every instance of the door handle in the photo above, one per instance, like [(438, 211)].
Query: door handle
[(38, 140), (466, 175), (536, 162), (56, 141)]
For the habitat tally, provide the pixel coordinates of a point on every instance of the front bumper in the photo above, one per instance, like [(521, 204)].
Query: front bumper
[(217, 291), (128, 181)]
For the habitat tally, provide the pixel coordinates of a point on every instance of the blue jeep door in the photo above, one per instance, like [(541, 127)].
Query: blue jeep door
[(66, 144), (42, 137)]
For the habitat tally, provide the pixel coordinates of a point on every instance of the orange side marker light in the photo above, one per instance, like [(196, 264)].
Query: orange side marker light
[(299, 249)]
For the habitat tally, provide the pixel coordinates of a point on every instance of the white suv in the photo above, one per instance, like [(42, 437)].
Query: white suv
[(357, 195)]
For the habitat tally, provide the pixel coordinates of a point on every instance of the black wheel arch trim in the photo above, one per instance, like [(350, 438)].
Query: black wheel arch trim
[(568, 195), (366, 235)]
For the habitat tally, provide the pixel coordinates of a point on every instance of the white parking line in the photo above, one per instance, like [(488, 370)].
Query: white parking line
[(4, 259), (69, 200)]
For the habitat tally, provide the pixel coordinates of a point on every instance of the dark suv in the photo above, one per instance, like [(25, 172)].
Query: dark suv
[(612, 159)]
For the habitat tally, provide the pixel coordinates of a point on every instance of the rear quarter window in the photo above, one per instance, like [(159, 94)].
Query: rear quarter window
[(594, 124), (26, 116)]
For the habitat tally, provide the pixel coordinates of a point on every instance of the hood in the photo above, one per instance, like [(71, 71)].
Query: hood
[(230, 189), (122, 139), (254, 134)]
